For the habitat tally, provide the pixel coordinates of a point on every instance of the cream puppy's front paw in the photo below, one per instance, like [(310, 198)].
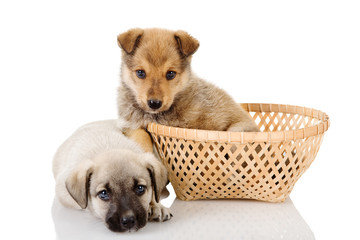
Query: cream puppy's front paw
[(159, 213)]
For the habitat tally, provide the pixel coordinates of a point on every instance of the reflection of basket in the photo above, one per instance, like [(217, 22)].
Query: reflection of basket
[(255, 165)]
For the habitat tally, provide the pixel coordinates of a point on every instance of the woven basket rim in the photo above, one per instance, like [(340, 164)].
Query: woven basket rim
[(251, 137)]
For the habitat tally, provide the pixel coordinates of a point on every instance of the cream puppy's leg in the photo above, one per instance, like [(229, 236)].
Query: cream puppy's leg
[(157, 212)]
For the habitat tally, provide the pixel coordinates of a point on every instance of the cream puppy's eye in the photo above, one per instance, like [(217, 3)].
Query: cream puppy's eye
[(140, 190), (140, 74), (103, 195), (170, 75)]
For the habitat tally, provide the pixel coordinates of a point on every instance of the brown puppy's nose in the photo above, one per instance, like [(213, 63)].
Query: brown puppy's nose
[(154, 104)]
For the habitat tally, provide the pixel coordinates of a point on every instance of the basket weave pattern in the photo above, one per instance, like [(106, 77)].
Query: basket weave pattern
[(264, 166)]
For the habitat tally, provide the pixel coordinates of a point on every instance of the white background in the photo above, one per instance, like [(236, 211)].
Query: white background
[(59, 69)]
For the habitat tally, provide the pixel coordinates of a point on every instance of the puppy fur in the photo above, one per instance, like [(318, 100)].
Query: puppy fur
[(186, 100), (98, 157)]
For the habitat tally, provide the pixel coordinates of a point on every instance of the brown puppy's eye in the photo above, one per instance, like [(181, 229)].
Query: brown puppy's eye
[(170, 75), (140, 74)]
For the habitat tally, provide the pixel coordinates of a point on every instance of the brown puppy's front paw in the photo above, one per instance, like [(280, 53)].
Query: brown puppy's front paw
[(243, 127), (158, 213)]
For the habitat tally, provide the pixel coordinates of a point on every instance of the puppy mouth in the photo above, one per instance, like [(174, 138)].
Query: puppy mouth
[(151, 111), (118, 226), (117, 229), (133, 229)]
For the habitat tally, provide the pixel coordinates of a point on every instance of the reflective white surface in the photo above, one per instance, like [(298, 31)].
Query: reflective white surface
[(202, 219)]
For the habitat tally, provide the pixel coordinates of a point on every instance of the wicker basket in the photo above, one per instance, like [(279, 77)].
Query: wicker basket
[(253, 165)]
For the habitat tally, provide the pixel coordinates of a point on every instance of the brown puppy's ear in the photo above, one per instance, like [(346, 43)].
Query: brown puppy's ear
[(129, 40), (78, 183), (158, 175), (187, 44)]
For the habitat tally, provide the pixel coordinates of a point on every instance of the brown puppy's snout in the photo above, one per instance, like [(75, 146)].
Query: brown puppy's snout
[(154, 104)]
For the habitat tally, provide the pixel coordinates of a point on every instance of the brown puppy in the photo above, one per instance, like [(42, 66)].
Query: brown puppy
[(158, 85)]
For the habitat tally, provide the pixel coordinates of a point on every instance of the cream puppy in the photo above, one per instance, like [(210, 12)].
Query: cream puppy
[(100, 169)]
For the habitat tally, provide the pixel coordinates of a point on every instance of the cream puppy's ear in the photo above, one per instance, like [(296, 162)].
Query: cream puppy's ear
[(78, 183), (187, 44), (158, 174), (129, 40)]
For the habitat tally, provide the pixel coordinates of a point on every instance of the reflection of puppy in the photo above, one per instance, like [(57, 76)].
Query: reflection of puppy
[(100, 169), (158, 85)]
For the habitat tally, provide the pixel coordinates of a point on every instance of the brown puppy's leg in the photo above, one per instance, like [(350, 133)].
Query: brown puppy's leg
[(249, 126), (141, 137)]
